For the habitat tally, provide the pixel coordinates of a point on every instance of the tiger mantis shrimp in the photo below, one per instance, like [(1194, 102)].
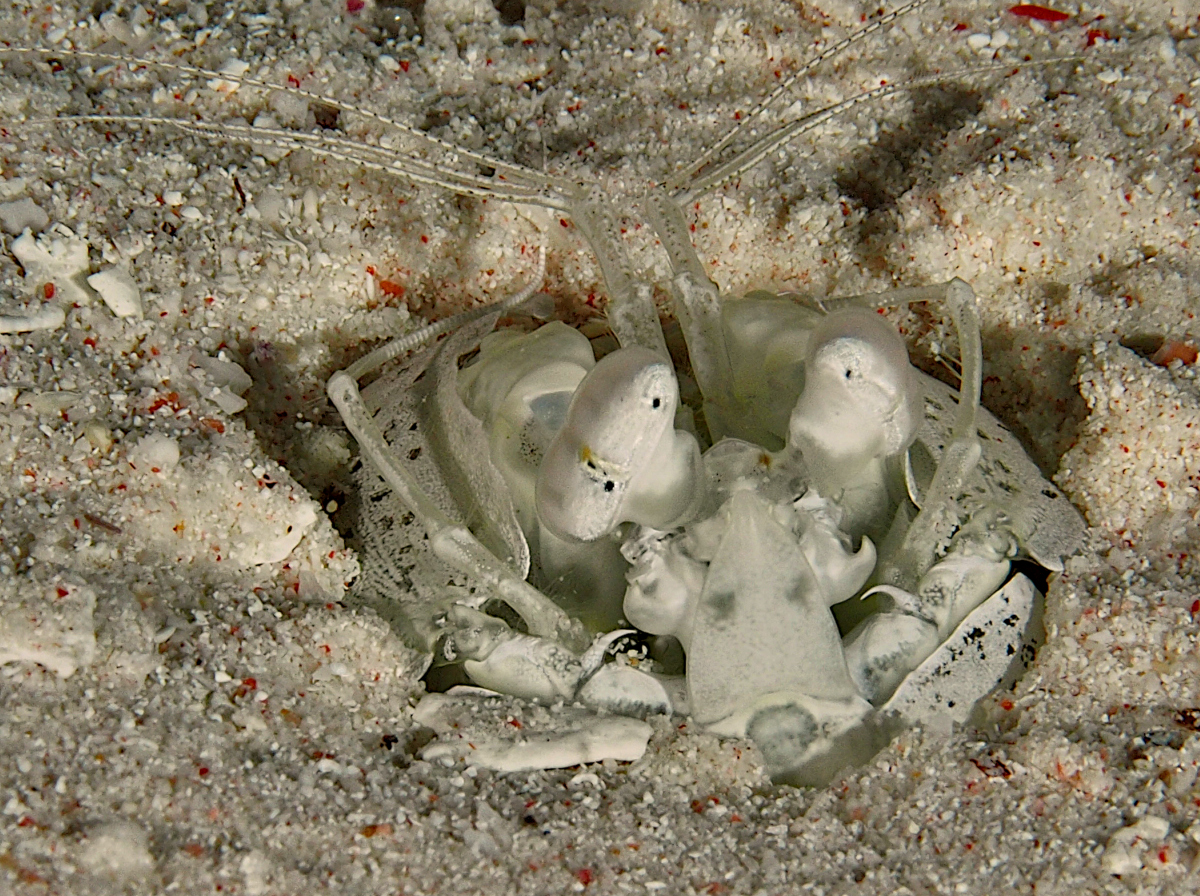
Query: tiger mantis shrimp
[(590, 457), (641, 493)]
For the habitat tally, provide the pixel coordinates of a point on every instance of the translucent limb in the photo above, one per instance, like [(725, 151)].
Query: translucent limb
[(410, 341), (939, 514), (631, 312), (697, 306)]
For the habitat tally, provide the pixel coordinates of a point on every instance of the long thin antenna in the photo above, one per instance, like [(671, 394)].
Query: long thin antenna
[(681, 178), (510, 170), (764, 146)]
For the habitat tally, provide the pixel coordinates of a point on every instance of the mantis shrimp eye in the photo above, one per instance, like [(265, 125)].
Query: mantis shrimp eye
[(861, 398), (618, 456)]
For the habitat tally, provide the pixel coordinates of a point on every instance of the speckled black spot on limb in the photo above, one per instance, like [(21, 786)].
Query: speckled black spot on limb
[(413, 428), (974, 635), (375, 499), (1011, 621), (1010, 650), (415, 453), (407, 519), (1050, 493)]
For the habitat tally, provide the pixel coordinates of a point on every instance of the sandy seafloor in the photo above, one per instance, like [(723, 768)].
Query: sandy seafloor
[(214, 720)]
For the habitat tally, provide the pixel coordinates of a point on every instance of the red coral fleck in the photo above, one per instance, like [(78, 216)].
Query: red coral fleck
[(584, 876), (1041, 13), (355, 6), (391, 289)]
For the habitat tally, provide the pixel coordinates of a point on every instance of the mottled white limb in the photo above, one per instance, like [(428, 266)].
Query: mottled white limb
[(682, 178), (451, 541)]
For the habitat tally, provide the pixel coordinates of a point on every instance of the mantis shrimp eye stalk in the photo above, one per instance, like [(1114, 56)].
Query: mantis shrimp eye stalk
[(861, 402), (618, 457)]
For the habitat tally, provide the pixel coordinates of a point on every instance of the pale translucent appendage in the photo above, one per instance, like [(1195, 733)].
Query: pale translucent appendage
[(631, 311), (940, 514)]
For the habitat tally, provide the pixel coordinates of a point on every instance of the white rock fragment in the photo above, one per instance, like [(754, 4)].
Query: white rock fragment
[(229, 383), (119, 850), (1124, 851), (979, 41), (235, 68), (256, 868), (98, 435), (119, 291), (594, 740), (47, 317), (49, 624), (59, 258), (226, 375), (271, 541), (155, 452), (23, 214)]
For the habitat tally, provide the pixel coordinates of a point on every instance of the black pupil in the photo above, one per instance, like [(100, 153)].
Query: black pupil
[(609, 485), (656, 402)]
